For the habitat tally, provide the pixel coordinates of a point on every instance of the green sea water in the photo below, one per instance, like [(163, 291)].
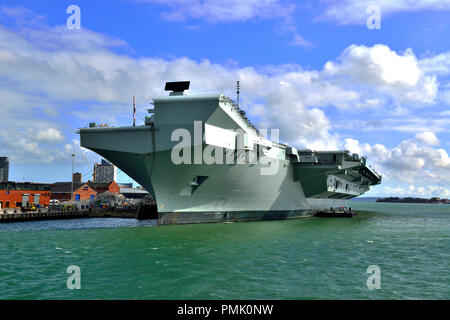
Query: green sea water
[(311, 258)]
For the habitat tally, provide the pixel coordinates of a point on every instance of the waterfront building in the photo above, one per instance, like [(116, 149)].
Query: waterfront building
[(21, 194), (134, 193), (90, 190), (104, 172), (4, 169), (84, 192)]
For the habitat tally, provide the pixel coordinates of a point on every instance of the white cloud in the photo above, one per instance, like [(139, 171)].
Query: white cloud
[(219, 11), (22, 148), (436, 123), (49, 135), (22, 15), (377, 65), (417, 191), (428, 138), (438, 64), (354, 147), (382, 69), (290, 96), (300, 41), (354, 11), (53, 77), (411, 161)]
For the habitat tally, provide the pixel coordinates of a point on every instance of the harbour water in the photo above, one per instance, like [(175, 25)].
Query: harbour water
[(310, 258)]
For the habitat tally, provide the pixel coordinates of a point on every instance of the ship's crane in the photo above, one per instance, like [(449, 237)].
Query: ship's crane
[(87, 162)]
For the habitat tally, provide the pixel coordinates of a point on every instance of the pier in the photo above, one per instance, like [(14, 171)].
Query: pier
[(336, 213), (17, 215), (136, 212)]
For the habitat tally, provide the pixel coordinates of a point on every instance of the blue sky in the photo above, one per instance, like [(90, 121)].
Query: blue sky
[(313, 69)]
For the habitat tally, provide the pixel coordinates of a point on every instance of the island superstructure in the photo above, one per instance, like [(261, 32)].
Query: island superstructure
[(204, 161)]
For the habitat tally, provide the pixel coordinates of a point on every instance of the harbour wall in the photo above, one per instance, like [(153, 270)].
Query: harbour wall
[(165, 218), (19, 216)]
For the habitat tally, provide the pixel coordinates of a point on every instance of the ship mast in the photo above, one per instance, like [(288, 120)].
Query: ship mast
[(134, 112), (238, 87)]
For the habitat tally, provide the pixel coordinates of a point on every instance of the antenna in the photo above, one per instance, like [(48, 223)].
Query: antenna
[(134, 112), (237, 92)]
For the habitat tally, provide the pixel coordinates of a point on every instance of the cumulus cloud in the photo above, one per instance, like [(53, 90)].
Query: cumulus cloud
[(22, 148), (355, 11), (354, 146), (96, 79), (428, 138), (49, 135), (413, 161), (378, 67), (291, 98)]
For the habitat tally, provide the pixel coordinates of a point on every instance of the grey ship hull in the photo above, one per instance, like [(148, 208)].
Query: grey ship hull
[(194, 193)]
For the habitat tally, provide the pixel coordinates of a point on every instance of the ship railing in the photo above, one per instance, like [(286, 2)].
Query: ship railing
[(379, 176), (242, 114)]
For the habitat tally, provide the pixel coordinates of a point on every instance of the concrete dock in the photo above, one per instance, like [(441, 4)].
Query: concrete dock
[(139, 212), (17, 215)]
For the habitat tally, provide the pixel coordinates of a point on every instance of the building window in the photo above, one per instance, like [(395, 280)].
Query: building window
[(7, 204)]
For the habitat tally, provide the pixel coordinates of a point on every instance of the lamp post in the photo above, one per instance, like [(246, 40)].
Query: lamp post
[(71, 190)]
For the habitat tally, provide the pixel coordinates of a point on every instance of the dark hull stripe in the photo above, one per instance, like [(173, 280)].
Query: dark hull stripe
[(230, 216)]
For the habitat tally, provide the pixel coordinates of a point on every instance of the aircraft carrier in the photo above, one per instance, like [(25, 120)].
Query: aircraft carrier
[(204, 161)]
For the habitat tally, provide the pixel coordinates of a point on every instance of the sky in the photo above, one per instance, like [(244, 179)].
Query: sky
[(322, 72)]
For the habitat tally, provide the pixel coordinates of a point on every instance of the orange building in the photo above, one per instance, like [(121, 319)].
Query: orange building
[(20, 194), (100, 187), (90, 189), (84, 192)]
